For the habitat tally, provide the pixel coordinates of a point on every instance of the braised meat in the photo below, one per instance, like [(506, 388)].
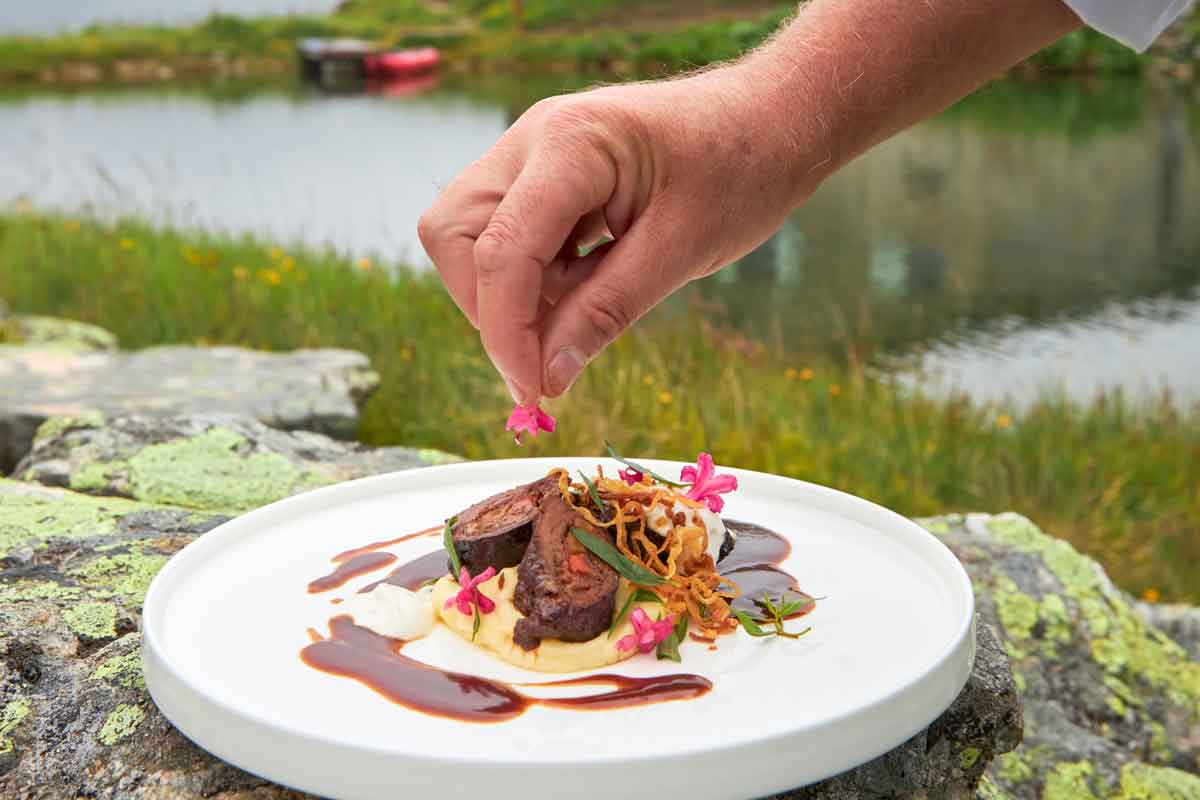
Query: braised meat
[(495, 532), (563, 590)]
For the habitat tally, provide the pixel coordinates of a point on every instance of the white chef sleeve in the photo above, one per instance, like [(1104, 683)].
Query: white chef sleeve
[(1134, 23)]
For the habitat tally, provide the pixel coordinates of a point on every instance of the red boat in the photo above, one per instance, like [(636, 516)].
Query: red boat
[(413, 61)]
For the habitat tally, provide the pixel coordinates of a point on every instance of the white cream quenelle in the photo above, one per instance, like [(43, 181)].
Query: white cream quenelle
[(392, 611), (659, 522)]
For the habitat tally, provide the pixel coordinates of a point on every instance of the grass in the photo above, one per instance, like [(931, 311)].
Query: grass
[(602, 37), (1123, 485)]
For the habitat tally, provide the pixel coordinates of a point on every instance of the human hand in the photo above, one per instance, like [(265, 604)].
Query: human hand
[(687, 175)]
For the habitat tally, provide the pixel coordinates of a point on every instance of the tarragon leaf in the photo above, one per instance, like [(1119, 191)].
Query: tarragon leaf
[(448, 543), (634, 573), (612, 452), (668, 648), (591, 487)]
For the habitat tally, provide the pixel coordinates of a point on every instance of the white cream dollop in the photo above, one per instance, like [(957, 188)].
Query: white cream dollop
[(392, 611), (661, 523)]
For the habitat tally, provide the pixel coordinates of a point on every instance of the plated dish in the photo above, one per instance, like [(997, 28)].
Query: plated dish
[(564, 574)]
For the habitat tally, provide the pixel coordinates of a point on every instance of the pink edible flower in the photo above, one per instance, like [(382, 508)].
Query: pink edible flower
[(631, 476), (706, 484), (647, 633), (469, 593), (529, 418)]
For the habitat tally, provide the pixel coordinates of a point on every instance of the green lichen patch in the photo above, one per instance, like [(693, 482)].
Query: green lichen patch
[(1018, 612), (208, 472), (1121, 642), (34, 515), (95, 476), (123, 670), (1069, 781), (1144, 782), (13, 715), (28, 590), (435, 457), (968, 757), (123, 721), (93, 620), (988, 790), (56, 426), (125, 574)]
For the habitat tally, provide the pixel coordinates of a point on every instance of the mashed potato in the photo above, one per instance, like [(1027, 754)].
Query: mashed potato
[(552, 655)]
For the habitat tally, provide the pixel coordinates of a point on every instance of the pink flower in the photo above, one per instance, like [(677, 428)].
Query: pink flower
[(706, 485), (647, 633), (529, 418), (631, 476), (469, 593)]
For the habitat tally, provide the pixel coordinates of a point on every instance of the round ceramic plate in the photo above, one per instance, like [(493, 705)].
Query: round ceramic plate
[(891, 646)]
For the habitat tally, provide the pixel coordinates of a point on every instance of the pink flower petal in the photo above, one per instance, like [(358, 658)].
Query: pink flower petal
[(630, 476), (486, 606), (529, 419), (627, 642)]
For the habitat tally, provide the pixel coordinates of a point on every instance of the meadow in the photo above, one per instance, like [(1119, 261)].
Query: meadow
[(1120, 482)]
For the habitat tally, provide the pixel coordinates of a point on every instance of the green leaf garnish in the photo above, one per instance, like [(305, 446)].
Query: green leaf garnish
[(639, 596), (612, 452), (776, 616), (634, 573), (668, 648), (448, 543), (591, 487), (475, 623), (749, 625), (427, 582)]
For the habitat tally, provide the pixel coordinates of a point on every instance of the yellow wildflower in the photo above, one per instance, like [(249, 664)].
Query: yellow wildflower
[(1003, 421), (241, 273), (270, 276), (665, 398), (288, 263), (126, 243), (364, 263), (834, 390), (648, 380), (791, 374), (191, 256), (276, 254), (1151, 595), (806, 374)]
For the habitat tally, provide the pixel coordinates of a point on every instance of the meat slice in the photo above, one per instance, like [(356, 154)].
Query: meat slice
[(563, 590), (496, 531)]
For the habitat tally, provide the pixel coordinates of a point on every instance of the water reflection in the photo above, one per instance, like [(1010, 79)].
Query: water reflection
[(55, 16), (1043, 210)]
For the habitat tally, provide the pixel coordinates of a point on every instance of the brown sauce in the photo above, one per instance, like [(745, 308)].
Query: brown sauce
[(367, 548), (376, 662), (428, 567), (358, 565)]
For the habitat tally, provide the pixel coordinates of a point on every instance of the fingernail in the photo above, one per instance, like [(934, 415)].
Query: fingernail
[(517, 395), (564, 369)]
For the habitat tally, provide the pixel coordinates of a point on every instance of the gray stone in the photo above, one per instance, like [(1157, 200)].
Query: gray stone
[(209, 462), (1180, 622), (317, 390), (1112, 703)]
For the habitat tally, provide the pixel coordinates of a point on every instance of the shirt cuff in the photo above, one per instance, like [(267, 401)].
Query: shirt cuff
[(1133, 23)]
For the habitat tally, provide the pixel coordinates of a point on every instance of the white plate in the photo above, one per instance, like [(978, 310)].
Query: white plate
[(225, 620)]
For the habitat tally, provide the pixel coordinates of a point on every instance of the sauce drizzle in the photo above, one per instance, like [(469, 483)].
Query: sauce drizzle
[(358, 565), (367, 548)]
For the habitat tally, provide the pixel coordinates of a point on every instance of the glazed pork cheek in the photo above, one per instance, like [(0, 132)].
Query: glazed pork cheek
[(495, 532), (563, 590)]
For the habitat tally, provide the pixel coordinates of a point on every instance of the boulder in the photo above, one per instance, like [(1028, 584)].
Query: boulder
[(209, 462), (317, 390), (1112, 702)]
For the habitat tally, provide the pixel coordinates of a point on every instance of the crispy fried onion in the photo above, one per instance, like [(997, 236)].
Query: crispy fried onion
[(693, 585)]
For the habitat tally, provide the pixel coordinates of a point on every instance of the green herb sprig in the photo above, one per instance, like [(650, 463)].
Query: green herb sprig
[(475, 622), (612, 452), (775, 617), (668, 648), (591, 487), (634, 573), (448, 543), (640, 596)]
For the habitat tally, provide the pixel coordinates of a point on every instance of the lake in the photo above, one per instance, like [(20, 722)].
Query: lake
[(58, 16), (1031, 237)]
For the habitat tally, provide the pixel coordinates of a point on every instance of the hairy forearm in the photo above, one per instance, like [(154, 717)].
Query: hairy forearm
[(847, 74)]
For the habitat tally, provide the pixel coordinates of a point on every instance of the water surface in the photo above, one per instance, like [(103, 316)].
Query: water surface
[(1034, 236), (56, 16)]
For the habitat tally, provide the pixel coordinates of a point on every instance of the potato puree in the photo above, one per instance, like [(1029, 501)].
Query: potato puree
[(552, 655)]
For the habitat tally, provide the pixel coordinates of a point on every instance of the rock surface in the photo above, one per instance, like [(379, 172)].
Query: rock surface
[(317, 390), (1111, 702), (206, 462)]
